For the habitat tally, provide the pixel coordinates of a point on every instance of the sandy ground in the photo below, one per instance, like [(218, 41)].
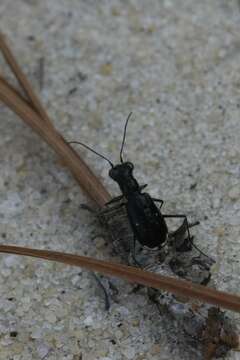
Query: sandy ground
[(176, 65)]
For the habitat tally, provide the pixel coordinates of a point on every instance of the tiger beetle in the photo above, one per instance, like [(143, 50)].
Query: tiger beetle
[(147, 222)]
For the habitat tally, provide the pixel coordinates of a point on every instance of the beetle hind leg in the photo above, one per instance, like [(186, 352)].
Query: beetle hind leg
[(185, 223), (159, 201), (187, 227)]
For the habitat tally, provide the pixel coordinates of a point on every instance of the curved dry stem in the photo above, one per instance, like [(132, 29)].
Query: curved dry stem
[(132, 274)]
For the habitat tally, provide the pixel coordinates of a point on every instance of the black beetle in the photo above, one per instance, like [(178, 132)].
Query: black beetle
[(147, 222)]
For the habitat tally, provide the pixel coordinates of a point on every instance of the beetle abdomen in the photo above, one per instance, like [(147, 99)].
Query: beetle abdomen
[(148, 224)]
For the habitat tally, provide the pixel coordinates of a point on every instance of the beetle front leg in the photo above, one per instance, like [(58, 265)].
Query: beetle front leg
[(115, 199), (109, 210)]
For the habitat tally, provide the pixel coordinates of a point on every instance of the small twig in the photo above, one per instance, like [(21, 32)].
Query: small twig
[(23, 81), (33, 113), (132, 274), (87, 180), (16, 91)]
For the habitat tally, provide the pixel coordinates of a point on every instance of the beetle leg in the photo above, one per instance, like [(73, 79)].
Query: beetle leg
[(188, 231), (141, 187), (180, 232), (159, 200), (185, 219), (105, 211), (194, 224), (115, 199)]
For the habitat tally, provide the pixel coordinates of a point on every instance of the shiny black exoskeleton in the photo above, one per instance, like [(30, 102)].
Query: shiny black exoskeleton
[(146, 220)]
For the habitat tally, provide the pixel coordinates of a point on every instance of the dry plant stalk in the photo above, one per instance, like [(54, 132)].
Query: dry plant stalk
[(33, 114), (132, 274), (23, 81), (36, 117), (87, 180)]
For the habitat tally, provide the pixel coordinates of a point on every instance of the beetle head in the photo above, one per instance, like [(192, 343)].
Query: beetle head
[(121, 171)]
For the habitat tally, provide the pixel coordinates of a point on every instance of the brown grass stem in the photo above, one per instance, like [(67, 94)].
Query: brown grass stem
[(176, 286)]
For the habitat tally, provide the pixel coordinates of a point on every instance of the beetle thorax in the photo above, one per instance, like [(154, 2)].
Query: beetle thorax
[(123, 175)]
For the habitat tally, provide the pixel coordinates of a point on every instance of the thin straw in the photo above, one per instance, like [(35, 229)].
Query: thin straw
[(86, 178), (132, 274), (23, 81)]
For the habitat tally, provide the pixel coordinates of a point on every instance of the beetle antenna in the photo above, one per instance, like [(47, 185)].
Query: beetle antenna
[(124, 137), (95, 152)]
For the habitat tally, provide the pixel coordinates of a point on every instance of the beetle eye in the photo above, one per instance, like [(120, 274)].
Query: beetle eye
[(112, 173), (130, 165)]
